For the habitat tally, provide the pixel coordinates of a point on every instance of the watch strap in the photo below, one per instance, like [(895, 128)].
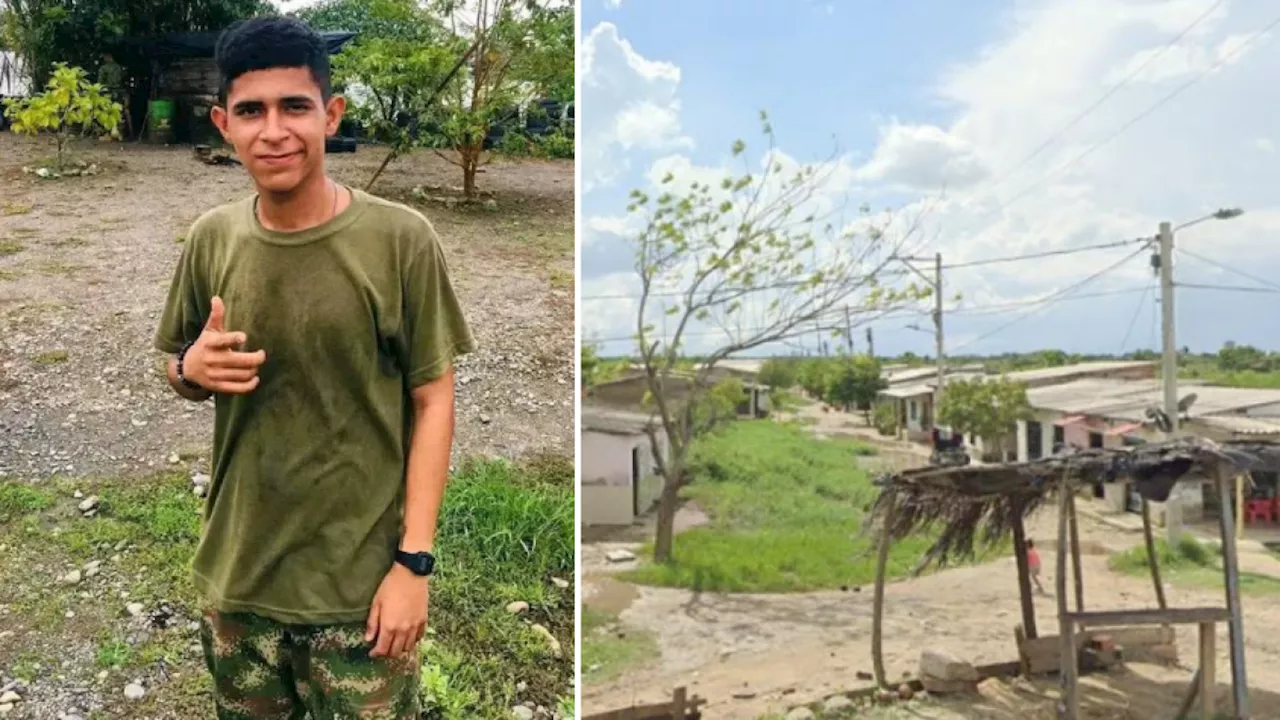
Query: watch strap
[(419, 563), (182, 378)]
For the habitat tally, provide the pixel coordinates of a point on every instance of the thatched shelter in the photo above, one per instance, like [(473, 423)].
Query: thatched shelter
[(973, 507)]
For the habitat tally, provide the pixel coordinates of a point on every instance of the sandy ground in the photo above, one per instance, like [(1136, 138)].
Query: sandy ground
[(778, 651)]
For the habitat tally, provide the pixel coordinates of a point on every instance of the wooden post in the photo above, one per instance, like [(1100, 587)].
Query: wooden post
[(1066, 627), (1152, 561), (1207, 673), (1024, 572), (1239, 508), (877, 613), (1235, 623), (679, 703), (1075, 552)]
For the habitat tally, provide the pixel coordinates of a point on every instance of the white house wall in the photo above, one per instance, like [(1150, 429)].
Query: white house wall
[(606, 478)]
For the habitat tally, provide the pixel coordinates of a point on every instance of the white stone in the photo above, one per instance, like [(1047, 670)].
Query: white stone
[(71, 578), (945, 667), (88, 503), (10, 697), (134, 691), (560, 583), (620, 556), (835, 703), (134, 609), (517, 607), (800, 713), (520, 712)]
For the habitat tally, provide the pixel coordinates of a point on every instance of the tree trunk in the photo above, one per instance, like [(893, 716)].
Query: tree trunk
[(665, 540), (470, 161)]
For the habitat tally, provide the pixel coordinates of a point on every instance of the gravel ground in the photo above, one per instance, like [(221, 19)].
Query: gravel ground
[(84, 267), (85, 264)]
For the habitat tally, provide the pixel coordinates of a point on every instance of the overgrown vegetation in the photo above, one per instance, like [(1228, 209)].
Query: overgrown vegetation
[(1190, 563), (785, 513), (506, 534), (986, 407)]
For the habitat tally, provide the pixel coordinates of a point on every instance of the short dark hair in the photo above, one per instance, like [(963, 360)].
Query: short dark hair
[(264, 43)]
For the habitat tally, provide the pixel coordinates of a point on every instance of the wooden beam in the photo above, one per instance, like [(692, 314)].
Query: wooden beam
[(1239, 508), (877, 614), (1066, 628), (1235, 623), (1153, 562), (1024, 573), (1075, 552), (1150, 616), (1207, 672)]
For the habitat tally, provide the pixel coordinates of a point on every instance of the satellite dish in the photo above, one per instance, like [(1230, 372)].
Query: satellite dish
[(1185, 403)]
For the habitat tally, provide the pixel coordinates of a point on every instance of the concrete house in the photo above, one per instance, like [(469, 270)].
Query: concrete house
[(619, 478), (628, 393)]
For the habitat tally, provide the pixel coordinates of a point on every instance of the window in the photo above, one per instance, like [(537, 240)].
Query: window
[(913, 409)]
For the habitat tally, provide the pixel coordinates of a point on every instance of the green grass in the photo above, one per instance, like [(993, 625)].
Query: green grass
[(11, 208), (52, 357), (505, 531), (609, 649), (10, 247), (1190, 564), (786, 515)]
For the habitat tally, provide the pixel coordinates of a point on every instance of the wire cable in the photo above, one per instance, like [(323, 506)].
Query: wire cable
[(1048, 301), (1228, 268), (1134, 320)]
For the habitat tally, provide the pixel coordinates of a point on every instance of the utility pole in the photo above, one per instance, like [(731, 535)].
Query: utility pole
[(937, 326), (871, 343), (848, 331), (1169, 369)]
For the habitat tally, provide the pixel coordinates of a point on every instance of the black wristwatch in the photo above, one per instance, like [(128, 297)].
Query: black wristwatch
[(420, 564), (182, 356)]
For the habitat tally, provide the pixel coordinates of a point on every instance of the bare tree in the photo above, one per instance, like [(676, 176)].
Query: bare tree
[(762, 258)]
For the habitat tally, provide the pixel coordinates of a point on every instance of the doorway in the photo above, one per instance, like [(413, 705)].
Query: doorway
[(635, 481), (1035, 440)]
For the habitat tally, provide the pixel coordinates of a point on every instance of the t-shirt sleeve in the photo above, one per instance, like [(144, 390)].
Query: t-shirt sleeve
[(436, 330), (183, 317)]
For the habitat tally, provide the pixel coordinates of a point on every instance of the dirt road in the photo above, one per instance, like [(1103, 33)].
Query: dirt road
[(755, 654)]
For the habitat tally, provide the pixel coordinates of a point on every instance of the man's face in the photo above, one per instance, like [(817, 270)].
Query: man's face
[(277, 122)]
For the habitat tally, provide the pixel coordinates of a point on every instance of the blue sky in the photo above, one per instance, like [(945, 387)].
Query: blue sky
[(938, 104)]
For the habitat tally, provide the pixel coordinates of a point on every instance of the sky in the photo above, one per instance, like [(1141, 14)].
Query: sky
[(1001, 127)]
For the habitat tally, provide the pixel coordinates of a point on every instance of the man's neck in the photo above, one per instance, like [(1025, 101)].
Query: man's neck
[(308, 205)]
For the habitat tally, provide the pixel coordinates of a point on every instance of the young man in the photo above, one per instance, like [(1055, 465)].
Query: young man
[(323, 323)]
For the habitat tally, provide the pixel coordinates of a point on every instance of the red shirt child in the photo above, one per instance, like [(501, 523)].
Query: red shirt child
[(1033, 563)]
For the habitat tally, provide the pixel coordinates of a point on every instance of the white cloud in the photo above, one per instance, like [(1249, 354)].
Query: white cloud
[(1210, 146), (613, 4), (923, 157), (630, 103)]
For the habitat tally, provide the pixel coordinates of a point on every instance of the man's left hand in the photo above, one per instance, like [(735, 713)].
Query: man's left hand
[(398, 617)]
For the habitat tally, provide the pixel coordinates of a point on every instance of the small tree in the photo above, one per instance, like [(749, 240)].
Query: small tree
[(69, 106), (855, 383), (759, 258), (778, 373), (988, 408), (814, 377)]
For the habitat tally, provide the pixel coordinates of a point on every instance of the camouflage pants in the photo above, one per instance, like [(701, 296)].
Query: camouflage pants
[(265, 670)]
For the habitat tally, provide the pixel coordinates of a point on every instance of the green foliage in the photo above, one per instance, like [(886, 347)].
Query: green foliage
[(814, 376), (69, 105), (1191, 563), (855, 382), (779, 373), (786, 513), (44, 32), (988, 408), (885, 419), (595, 369)]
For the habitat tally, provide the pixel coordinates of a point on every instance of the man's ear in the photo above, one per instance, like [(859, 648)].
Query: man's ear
[(333, 111), (218, 115)]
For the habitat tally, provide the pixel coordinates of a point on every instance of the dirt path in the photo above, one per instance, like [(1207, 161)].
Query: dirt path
[(85, 264), (778, 651)]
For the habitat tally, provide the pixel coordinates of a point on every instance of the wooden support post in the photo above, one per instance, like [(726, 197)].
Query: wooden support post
[(1193, 691), (1076, 570), (877, 616), (1024, 573), (1153, 561), (1207, 673), (1239, 508), (1066, 627), (680, 703), (1235, 623)]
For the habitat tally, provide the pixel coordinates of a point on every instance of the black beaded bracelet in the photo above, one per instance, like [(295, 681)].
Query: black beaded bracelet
[(182, 355)]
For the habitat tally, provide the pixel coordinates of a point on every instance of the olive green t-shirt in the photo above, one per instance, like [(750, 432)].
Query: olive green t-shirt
[(304, 510)]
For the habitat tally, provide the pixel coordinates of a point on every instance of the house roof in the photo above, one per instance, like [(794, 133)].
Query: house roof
[(1085, 368), (614, 422), (1129, 399), (1243, 425), (907, 391)]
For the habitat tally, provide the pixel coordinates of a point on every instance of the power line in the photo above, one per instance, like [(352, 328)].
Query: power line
[(1228, 268), (1230, 288), (1142, 115), (1107, 95), (900, 273), (1046, 302), (1134, 320)]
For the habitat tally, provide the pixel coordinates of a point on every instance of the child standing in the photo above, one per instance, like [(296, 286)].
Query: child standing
[(1033, 562)]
